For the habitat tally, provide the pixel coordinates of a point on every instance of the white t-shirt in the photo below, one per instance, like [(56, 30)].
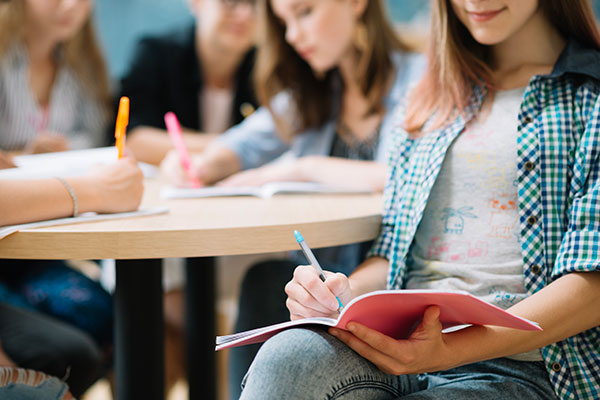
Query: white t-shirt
[(468, 238)]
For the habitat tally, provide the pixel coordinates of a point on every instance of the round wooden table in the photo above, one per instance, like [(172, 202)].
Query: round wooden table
[(207, 227), (195, 229)]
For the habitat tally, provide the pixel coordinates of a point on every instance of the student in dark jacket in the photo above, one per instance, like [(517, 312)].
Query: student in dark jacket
[(201, 72)]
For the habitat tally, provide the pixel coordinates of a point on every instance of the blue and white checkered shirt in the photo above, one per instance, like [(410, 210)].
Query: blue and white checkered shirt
[(558, 163)]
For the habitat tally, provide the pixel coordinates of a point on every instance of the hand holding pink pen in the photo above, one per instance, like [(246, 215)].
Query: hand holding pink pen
[(174, 130)]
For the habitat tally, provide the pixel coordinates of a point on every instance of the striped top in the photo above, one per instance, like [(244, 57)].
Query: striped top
[(558, 183), (71, 110)]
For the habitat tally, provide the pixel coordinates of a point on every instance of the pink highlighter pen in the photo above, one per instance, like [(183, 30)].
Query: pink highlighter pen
[(174, 130)]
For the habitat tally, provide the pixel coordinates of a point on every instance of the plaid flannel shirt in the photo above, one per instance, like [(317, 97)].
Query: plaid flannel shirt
[(558, 164)]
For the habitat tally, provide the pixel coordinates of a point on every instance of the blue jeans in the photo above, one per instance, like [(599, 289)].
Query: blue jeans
[(311, 364), (26, 384), (54, 288)]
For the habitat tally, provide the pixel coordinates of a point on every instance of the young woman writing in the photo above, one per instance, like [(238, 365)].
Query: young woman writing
[(493, 189)]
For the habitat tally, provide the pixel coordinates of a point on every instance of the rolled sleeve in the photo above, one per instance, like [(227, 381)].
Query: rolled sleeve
[(580, 248)]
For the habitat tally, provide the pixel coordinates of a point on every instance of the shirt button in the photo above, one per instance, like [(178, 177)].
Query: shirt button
[(556, 366), (527, 119), (535, 268), (529, 165), (531, 220)]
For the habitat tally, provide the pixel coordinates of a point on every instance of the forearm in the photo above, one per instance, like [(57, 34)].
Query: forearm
[(151, 145), (560, 313), (36, 200), (198, 141), (216, 163), (369, 276), (340, 171)]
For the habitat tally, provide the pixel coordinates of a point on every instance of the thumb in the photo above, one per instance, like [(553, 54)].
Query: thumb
[(431, 318)]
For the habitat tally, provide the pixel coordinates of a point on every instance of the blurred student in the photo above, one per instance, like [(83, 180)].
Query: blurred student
[(493, 189), (327, 72), (53, 318), (201, 72), (53, 82)]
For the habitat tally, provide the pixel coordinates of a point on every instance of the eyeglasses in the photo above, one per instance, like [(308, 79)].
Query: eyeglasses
[(231, 4)]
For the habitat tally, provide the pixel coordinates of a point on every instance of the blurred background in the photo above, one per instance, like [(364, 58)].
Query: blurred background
[(120, 23)]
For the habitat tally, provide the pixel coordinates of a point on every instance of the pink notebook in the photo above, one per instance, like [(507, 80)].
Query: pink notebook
[(396, 313)]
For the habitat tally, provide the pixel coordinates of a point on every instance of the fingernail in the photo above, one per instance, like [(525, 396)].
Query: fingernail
[(351, 327)]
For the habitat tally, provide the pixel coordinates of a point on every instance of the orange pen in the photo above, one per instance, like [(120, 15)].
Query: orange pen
[(122, 121)]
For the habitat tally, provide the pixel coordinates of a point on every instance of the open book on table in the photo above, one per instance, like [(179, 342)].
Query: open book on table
[(66, 163), (396, 313), (265, 191)]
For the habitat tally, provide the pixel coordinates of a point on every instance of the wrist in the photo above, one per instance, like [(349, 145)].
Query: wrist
[(466, 346), (86, 193)]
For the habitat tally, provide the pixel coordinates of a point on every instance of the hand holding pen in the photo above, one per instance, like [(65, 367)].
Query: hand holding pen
[(313, 294)]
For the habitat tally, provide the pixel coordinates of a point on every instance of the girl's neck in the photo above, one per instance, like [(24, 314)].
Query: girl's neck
[(355, 106), (347, 68), (40, 48), (533, 50), (219, 65), (42, 65)]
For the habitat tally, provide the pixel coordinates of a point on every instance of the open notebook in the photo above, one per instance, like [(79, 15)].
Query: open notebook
[(396, 313), (265, 191), (66, 163)]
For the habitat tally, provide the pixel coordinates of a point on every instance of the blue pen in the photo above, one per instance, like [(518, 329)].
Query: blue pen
[(311, 258)]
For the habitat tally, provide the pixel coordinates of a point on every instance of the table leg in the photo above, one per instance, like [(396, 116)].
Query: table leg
[(139, 330), (200, 328)]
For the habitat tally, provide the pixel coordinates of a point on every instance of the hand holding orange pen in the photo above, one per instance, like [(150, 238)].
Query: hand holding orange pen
[(121, 126)]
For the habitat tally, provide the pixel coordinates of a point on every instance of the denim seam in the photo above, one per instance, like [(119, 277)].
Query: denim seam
[(365, 381)]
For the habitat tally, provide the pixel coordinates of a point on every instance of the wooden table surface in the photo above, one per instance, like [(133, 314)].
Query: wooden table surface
[(207, 227)]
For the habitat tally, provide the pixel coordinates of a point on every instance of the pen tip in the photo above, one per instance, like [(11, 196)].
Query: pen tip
[(298, 236)]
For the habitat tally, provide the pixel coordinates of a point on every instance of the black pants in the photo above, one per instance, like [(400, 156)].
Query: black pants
[(36, 341)]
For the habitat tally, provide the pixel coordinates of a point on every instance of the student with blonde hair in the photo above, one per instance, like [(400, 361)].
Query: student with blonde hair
[(504, 125), (54, 92)]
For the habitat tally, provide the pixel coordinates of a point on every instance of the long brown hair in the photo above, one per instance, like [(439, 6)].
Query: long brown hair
[(81, 53), (457, 61), (279, 68)]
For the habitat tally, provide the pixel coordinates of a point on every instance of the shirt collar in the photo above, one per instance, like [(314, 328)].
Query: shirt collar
[(576, 58)]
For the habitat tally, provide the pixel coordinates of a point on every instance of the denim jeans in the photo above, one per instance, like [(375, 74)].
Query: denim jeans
[(311, 364), (26, 384)]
